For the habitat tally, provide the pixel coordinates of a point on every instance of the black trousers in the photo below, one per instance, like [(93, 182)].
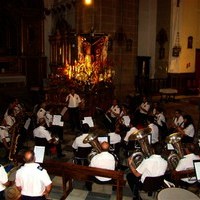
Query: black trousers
[(134, 183), (74, 118), (2, 195), (23, 197)]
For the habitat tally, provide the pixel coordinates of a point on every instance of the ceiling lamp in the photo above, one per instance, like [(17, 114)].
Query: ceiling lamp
[(87, 2)]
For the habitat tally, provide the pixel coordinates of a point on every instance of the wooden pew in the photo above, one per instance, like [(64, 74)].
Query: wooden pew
[(70, 171)]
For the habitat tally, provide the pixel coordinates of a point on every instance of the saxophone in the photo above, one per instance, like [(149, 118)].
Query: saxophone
[(14, 132)]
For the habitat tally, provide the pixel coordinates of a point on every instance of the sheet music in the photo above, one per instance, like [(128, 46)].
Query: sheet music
[(89, 121), (27, 123), (197, 169), (57, 120), (39, 153), (170, 147), (64, 110)]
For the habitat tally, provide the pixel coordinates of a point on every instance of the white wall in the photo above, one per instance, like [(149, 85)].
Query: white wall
[(147, 31), (189, 15)]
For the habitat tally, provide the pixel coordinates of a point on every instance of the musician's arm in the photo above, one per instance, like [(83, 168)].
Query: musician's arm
[(132, 168), (19, 188), (47, 190)]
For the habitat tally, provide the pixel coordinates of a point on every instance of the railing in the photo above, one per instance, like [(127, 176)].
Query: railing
[(181, 82)]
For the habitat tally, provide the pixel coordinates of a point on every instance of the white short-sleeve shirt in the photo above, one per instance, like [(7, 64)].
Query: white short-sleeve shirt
[(145, 106), (78, 142), (41, 114), (187, 163), (74, 101), (3, 178), (4, 135), (153, 166), (189, 130), (179, 121), (132, 130), (32, 179), (154, 133), (41, 132), (114, 138), (103, 160)]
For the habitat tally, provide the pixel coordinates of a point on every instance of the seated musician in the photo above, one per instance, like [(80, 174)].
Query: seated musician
[(9, 120), (154, 130), (153, 166), (114, 112), (54, 129), (104, 160), (5, 139), (186, 163), (123, 121), (41, 112), (78, 143), (142, 112), (188, 129), (177, 121), (3, 181), (115, 140), (127, 144), (43, 138), (160, 121)]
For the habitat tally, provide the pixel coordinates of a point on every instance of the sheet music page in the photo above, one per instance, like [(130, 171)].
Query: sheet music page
[(89, 121), (56, 120), (64, 110), (39, 153), (27, 123), (197, 170)]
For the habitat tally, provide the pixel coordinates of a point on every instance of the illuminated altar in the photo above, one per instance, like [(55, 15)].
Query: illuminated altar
[(82, 62)]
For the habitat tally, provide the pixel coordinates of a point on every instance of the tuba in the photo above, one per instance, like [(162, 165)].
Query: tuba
[(173, 158), (142, 137), (92, 139)]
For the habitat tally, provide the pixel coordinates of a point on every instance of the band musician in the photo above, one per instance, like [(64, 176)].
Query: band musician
[(3, 181), (81, 149), (73, 102), (32, 180), (153, 166), (104, 160), (186, 163)]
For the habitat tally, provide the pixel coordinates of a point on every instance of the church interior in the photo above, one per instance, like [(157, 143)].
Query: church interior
[(106, 51)]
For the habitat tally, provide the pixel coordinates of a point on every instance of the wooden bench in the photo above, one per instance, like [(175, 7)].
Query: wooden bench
[(70, 171)]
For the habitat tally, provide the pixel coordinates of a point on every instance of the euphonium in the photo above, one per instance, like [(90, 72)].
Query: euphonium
[(173, 158), (92, 139), (142, 137)]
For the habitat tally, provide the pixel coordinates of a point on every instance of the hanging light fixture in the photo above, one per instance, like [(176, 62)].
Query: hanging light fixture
[(177, 47)]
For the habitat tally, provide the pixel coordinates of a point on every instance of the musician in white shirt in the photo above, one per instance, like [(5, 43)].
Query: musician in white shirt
[(73, 102), (114, 112)]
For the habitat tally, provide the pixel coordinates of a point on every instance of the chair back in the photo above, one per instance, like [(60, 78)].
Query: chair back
[(83, 152), (152, 184)]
